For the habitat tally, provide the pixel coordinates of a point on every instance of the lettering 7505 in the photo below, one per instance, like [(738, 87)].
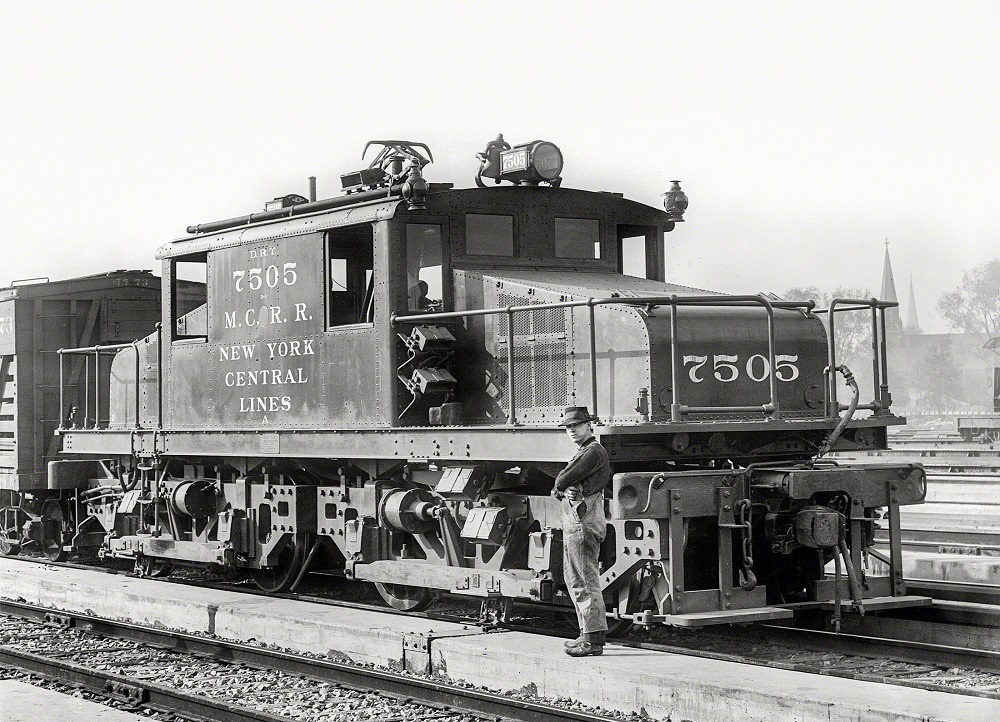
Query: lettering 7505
[(255, 278), (727, 367)]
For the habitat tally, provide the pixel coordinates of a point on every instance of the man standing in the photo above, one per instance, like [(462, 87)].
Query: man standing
[(580, 487)]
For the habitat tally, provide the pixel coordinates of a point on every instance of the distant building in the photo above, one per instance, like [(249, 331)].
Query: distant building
[(934, 372)]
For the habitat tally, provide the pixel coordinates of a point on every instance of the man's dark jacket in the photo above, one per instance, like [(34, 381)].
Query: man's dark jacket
[(588, 468)]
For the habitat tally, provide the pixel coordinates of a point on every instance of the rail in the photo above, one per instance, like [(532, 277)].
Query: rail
[(678, 410), (94, 352)]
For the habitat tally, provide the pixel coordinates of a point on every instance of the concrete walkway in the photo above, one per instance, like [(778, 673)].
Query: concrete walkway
[(663, 686)]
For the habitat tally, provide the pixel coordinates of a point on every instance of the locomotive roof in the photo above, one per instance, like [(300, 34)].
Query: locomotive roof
[(323, 214), (366, 212)]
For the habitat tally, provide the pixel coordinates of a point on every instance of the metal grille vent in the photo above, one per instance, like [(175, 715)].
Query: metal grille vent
[(551, 320), (540, 355)]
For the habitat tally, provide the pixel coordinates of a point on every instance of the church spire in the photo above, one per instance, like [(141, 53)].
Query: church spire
[(892, 319), (912, 322)]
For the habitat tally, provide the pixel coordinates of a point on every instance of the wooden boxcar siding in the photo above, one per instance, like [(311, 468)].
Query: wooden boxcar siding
[(64, 317), (8, 395)]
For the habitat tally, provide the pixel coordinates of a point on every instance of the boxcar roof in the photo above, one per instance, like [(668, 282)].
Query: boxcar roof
[(81, 284)]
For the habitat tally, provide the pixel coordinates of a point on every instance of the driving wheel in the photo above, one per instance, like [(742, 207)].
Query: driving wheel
[(53, 521), (282, 575), (156, 568)]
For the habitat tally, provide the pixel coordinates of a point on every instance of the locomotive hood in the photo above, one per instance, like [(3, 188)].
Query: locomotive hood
[(721, 350), (587, 284)]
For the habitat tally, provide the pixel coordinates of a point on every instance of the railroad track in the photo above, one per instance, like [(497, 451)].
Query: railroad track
[(969, 459), (217, 680), (947, 647), (212, 679)]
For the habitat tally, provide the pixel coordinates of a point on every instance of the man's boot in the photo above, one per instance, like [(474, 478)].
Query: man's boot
[(591, 645)]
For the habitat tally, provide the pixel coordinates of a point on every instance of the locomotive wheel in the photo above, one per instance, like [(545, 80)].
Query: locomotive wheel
[(404, 598), (156, 568), (8, 547), (281, 576), (52, 516)]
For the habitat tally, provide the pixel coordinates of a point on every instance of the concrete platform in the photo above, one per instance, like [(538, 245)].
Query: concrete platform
[(680, 687), (20, 702), (664, 686), (343, 634)]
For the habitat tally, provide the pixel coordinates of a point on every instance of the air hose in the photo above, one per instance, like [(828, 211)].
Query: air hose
[(829, 441)]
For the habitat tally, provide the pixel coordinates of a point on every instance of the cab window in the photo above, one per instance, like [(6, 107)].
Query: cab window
[(489, 234), (424, 267), (189, 297), (578, 238), (632, 257), (350, 276)]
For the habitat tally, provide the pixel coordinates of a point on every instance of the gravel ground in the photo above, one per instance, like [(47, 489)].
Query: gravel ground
[(291, 696), (712, 641)]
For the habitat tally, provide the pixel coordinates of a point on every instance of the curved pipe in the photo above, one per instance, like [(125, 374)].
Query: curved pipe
[(829, 441)]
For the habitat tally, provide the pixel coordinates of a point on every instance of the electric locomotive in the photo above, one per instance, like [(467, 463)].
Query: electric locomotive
[(372, 385)]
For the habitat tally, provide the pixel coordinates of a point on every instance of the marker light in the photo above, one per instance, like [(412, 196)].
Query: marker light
[(675, 202)]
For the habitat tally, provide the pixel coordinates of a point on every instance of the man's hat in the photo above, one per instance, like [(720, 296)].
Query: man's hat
[(573, 415)]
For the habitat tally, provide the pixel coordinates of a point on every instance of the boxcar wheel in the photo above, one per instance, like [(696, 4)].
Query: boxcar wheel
[(7, 547), (10, 538), (404, 598), (281, 576), (52, 516)]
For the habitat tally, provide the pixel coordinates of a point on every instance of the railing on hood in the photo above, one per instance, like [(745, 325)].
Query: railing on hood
[(882, 399), (678, 410), (94, 352)]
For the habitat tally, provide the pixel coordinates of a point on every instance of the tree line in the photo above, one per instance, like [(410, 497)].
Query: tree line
[(927, 374)]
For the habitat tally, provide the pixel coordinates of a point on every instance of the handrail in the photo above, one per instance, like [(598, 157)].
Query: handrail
[(677, 410), (97, 351), (880, 367)]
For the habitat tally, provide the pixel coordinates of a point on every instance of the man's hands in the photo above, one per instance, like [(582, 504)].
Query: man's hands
[(573, 493)]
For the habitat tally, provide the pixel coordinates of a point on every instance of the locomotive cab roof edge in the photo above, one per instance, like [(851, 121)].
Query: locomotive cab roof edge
[(324, 215)]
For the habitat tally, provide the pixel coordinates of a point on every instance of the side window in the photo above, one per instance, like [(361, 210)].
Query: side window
[(350, 279), (489, 235), (632, 256), (578, 238), (189, 297), (424, 269)]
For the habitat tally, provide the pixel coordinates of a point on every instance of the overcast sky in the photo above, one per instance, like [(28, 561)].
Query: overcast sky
[(804, 133)]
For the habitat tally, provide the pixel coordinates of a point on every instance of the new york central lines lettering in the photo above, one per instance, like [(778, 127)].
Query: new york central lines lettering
[(266, 376)]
